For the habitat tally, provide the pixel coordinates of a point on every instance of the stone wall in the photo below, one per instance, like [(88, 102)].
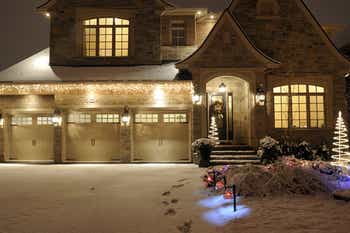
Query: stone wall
[(66, 31), (292, 37)]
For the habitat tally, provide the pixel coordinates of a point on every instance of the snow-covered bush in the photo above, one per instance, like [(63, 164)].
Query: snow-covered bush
[(324, 153), (269, 150), (304, 151)]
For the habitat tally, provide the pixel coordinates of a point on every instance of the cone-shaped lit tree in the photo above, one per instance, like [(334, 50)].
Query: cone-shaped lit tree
[(340, 143), (213, 130)]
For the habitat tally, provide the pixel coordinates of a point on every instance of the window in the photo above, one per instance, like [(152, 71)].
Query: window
[(79, 118), (44, 120), (175, 118), (107, 118), (106, 37), (146, 118), (178, 33), (21, 120), (299, 106)]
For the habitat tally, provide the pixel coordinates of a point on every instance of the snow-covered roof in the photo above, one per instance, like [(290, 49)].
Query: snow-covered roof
[(37, 69)]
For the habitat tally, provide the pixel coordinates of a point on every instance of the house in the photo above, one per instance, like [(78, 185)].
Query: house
[(138, 81)]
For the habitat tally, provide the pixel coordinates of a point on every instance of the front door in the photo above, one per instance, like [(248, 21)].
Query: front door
[(220, 108)]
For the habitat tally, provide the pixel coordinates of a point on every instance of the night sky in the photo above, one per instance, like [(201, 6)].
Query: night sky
[(25, 32)]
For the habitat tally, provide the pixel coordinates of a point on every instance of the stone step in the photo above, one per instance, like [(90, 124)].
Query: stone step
[(234, 152), (232, 147), (234, 157), (233, 162)]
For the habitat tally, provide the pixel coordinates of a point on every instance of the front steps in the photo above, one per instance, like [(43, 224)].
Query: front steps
[(233, 155)]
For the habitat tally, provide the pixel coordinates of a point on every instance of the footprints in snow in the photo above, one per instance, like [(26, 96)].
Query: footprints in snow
[(187, 226)]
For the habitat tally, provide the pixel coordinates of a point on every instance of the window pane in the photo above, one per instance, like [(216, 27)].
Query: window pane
[(281, 111)]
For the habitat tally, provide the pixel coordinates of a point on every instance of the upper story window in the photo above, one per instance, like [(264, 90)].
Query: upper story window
[(299, 106), (178, 33), (106, 37)]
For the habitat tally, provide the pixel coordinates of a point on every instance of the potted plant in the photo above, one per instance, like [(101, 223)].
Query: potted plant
[(203, 147)]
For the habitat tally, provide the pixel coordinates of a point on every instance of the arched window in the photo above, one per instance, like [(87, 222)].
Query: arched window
[(267, 8), (299, 106), (106, 37)]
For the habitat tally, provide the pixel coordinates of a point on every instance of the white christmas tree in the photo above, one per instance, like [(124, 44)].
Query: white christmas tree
[(213, 130), (340, 143)]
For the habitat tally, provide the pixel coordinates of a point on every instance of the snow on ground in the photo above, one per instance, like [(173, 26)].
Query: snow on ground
[(147, 199)]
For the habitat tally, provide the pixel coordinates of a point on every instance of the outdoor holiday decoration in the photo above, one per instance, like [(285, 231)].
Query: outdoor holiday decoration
[(341, 144), (213, 130)]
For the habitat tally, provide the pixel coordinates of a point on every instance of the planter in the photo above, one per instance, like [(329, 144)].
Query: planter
[(204, 158)]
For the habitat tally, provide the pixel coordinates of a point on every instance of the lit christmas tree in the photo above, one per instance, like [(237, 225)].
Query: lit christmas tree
[(213, 130), (340, 144)]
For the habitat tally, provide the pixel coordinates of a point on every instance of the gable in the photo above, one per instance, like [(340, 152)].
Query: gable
[(227, 46), (294, 37)]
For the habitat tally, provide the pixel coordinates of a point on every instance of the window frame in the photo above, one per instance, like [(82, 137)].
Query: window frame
[(308, 94), (97, 28), (177, 28)]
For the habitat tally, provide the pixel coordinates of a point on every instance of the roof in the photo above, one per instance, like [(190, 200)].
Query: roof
[(49, 3), (37, 69), (270, 62)]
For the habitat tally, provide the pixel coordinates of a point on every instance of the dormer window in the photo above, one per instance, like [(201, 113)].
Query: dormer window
[(106, 37)]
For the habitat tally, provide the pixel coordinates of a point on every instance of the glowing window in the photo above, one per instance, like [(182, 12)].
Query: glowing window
[(281, 111), (44, 120), (175, 118), (299, 106), (79, 118), (21, 120), (107, 118), (146, 118), (106, 37)]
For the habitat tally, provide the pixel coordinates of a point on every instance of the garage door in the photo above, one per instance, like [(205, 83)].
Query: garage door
[(32, 138), (161, 137), (93, 137)]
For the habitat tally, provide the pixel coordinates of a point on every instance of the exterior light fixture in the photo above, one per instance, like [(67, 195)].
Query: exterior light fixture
[(125, 117), (57, 118), (47, 14), (199, 12), (260, 95), (347, 75), (197, 99), (1, 121), (212, 16), (222, 88)]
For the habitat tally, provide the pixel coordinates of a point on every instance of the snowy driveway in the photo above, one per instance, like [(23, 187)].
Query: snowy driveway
[(96, 198), (147, 199)]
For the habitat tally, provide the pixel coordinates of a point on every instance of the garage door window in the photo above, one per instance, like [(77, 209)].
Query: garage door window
[(106, 118), (18, 120), (175, 118), (146, 118), (44, 120), (79, 118)]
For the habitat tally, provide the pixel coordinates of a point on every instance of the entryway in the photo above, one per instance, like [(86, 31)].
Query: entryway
[(228, 103)]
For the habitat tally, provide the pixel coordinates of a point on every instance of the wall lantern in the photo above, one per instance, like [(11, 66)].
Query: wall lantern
[(260, 95), (125, 117), (222, 88), (57, 118), (1, 121), (197, 99)]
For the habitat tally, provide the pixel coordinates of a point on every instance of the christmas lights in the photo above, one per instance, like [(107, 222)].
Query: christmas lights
[(340, 144)]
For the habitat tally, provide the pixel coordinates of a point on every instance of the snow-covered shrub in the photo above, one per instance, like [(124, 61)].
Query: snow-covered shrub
[(269, 150), (304, 151), (324, 153)]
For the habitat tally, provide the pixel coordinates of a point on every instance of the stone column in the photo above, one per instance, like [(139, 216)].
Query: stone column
[(126, 141), (63, 137), (7, 137), (58, 144)]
